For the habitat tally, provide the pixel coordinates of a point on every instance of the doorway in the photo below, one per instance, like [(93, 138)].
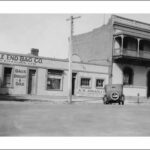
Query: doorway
[(148, 84), (73, 82), (32, 81)]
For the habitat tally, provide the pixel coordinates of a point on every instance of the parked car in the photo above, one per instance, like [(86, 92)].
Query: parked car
[(114, 94)]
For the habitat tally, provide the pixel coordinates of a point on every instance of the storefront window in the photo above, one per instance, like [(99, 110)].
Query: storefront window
[(99, 83), (85, 82), (54, 79), (7, 82)]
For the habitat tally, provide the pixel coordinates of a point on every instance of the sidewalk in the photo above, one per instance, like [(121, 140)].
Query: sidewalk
[(47, 98), (64, 99)]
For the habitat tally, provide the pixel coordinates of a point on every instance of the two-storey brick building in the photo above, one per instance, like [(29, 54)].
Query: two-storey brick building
[(124, 45)]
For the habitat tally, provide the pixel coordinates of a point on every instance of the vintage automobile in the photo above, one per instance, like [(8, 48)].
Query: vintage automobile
[(114, 94)]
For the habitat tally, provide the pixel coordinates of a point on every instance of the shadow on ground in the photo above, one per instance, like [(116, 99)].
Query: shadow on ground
[(7, 97)]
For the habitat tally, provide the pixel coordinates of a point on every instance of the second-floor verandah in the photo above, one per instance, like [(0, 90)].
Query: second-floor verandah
[(131, 46)]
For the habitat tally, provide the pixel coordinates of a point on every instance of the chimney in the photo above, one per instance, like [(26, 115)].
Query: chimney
[(35, 51)]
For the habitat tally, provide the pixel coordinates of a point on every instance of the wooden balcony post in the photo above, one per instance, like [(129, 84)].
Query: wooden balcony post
[(138, 47), (113, 45), (122, 38)]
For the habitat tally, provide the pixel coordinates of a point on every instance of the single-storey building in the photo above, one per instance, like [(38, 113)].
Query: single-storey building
[(34, 75)]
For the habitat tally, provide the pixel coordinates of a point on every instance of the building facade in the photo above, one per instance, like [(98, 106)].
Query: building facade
[(124, 45), (117, 52), (34, 75)]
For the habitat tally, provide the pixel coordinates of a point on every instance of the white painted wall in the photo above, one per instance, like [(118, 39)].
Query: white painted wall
[(139, 80), (82, 70), (117, 76), (41, 85), (90, 68), (90, 91), (133, 91)]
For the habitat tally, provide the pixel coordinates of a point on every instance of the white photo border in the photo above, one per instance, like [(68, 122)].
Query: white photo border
[(74, 7)]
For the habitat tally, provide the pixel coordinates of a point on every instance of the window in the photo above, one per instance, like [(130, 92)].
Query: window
[(7, 82), (54, 79), (53, 83), (127, 76), (99, 83), (85, 82)]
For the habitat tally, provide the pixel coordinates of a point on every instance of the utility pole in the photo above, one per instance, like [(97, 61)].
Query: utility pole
[(104, 20), (71, 19)]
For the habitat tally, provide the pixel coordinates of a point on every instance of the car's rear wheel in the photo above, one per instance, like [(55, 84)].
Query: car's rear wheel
[(105, 99)]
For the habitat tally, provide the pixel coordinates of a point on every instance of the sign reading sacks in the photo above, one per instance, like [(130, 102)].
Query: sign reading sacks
[(20, 80)]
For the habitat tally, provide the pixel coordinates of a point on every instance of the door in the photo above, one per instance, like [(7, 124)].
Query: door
[(73, 82), (32, 81)]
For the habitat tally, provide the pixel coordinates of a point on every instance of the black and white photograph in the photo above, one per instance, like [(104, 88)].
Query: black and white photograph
[(75, 74), (105, 78)]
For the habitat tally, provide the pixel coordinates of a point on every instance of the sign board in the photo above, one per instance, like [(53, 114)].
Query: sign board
[(20, 60), (90, 92), (20, 80), (29, 60)]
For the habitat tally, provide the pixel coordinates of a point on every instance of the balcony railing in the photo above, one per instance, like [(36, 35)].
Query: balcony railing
[(132, 53), (144, 54)]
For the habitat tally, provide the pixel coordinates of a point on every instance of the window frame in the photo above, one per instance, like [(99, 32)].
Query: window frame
[(12, 77), (61, 77), (103, 83), (90, 83)]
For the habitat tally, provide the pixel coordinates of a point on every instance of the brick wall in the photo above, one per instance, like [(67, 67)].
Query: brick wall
[(95, 45)]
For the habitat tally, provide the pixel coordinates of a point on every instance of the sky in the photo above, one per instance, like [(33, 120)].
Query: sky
[(48, 32)]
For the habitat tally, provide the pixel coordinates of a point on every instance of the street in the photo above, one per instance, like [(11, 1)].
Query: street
[(77, 119)]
